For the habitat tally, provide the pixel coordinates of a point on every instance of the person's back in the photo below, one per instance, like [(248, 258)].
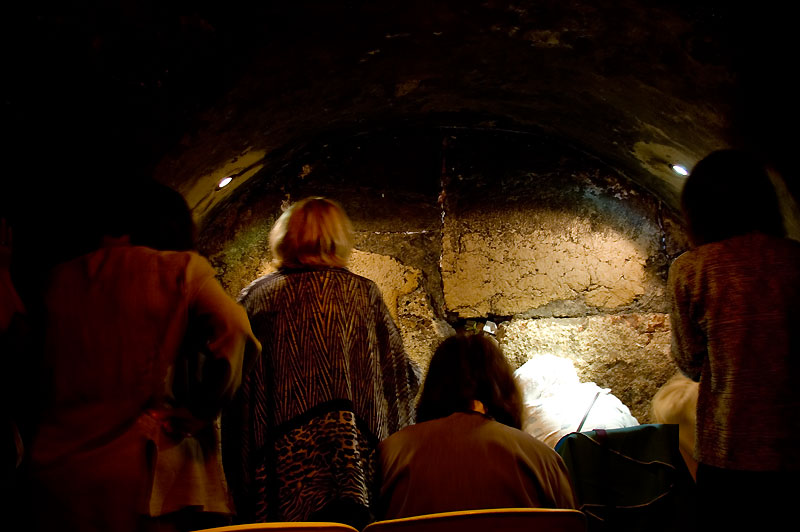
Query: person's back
[(119, 444), (337, 320), (746, 291), (467, 461), (115, 322), (735, 310), (467, 450), (333, 379)]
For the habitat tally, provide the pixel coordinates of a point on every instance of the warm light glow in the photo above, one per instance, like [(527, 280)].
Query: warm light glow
[(224, 182), (678, 169)]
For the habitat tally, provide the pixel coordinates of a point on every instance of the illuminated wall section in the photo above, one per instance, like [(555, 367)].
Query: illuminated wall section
[(562, 252)]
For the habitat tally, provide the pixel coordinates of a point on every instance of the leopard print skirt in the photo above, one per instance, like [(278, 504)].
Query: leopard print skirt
[(327, 458)]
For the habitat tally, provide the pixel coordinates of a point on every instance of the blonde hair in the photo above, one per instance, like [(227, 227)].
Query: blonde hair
[(312, 232)]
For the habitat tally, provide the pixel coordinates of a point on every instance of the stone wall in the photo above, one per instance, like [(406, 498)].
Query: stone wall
[(567, 256)]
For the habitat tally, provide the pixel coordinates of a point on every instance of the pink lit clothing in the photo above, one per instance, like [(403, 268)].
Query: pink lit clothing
[(117, 322)]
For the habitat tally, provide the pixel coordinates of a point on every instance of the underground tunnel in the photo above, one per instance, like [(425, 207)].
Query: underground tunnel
[(506, 163), (455, 225)]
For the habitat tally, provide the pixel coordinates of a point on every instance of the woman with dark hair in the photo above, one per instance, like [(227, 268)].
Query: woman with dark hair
[(729, 194), (467, 450), (736, 329), (333, 379), (469, 372)]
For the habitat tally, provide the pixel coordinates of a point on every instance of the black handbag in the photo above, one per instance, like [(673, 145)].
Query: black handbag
[(631, 479)]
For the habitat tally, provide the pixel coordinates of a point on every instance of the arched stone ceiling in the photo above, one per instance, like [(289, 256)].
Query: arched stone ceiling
[(192, 92), (100, 92), (637, 88)]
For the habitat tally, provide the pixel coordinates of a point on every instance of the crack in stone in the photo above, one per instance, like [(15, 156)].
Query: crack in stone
[(423, 232)]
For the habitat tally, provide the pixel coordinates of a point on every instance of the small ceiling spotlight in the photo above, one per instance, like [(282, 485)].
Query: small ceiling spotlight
[(224, 182), (680, 170)]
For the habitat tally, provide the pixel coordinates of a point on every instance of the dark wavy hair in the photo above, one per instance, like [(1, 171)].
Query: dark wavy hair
[(466, 368), (165, 222), (728, 194)]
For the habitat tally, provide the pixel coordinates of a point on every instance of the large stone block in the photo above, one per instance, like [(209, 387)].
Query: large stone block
[(517, 265), (565, 239), (407, 301)]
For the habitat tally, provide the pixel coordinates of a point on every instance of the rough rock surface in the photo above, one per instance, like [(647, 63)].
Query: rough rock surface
[(564, 240), (407, 302), (511, 268)]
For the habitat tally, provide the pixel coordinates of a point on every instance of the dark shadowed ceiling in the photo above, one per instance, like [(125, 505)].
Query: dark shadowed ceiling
[(98, 93)]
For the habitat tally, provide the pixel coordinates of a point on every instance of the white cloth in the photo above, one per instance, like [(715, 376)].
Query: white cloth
[(556, 401)]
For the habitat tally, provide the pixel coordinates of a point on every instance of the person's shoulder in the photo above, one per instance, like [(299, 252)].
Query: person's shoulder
[(752, 248), (443, 424), (688, 263), (690, 257), (354, 281), (750, 242), (178, 262), (401, 434), (193, 263), (788, 245), (263, 284), (684, 261), (344, 273), (782, 256), (189, 267), (165, 256), (400, 439)]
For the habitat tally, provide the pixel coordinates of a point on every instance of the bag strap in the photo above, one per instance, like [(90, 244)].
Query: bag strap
[(580, 426)]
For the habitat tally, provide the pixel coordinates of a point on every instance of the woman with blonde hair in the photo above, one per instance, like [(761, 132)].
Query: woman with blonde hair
[(333, 379)]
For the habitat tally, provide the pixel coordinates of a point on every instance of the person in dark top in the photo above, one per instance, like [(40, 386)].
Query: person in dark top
[(735, 313), (467, 450)]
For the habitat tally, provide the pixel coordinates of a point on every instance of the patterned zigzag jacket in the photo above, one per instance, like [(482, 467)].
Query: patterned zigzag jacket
[(333, 380)]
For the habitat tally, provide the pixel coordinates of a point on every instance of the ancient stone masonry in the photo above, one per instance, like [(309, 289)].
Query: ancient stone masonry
[(513, 268), (500, 160), (568, 257), (402, 290)]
